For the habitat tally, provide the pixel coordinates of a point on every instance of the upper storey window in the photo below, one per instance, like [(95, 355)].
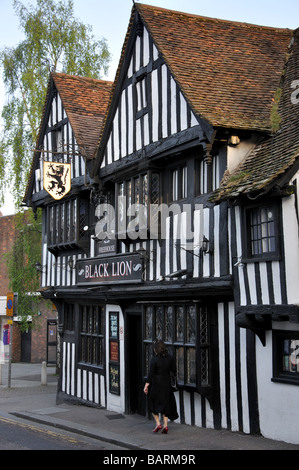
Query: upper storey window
[(137, 202), (67, 222), (262, 231), (141, 96)]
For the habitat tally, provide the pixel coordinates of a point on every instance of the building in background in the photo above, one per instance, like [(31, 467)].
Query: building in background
[(34, 345)]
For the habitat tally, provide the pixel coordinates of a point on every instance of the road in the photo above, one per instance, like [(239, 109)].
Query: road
[(19, 435)]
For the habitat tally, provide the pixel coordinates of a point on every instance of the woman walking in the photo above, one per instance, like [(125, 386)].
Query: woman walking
[(158, 387)]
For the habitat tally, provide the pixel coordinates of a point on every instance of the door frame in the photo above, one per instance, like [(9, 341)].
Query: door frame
[(134, 311)]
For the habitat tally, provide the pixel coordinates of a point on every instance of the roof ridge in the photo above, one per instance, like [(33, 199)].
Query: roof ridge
[(80, 78), (212, 19)]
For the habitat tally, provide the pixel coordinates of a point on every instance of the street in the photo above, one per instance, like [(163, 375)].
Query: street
[(17, 435)]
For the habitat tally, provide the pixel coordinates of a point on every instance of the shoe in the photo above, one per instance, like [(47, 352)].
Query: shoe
[(165, 430), (157, 428)]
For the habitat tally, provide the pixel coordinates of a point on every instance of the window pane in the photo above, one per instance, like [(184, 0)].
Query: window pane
[(159, 322), (184, 182), (179, 324), (191, 366), (180, 363), (191, 325), (175, 189), (203, 322), (290, 355), (168, 323), (204, 366), (141, 94), (148, 356), (262, 230), (148, 322)]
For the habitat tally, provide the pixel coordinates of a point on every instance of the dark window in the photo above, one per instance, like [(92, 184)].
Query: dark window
[(185, 331), (67, 222), (262, 232), (286, 356), (69, 317), (137, 204), (92, 335), (141, 95), (179, 183)]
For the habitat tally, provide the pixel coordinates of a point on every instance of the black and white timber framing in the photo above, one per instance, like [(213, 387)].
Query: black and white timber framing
[(236, 303)]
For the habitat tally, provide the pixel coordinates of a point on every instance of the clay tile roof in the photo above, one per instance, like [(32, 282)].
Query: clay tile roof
[(85, 101), (276, 154), (228, 71)]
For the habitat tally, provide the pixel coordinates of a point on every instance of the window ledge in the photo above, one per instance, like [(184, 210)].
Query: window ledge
[(286, 380)]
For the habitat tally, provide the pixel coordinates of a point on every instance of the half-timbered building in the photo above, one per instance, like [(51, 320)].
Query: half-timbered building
[(189, 223)]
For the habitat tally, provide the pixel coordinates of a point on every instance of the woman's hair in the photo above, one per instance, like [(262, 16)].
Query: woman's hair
[(160, 348)]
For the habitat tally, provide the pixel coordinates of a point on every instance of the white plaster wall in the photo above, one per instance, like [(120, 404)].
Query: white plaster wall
[(278, 403), (291, 248), (236, 154)]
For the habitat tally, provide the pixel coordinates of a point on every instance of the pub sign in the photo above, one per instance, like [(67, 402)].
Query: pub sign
[(109, 270)]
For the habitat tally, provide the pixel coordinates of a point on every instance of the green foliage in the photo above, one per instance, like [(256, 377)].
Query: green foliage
[(275, 117), (21, 260), (55, 40)]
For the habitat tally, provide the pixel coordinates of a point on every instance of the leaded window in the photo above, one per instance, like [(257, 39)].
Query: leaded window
[(67, 222), (92, 335), (185, 330), (137, 201)]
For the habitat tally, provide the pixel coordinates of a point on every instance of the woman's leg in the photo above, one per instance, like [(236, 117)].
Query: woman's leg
[(165, 421), (158, 425), (156, 418)]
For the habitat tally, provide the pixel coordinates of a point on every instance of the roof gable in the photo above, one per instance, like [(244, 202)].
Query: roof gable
[(85, 101), (229, 72), (275, 155)]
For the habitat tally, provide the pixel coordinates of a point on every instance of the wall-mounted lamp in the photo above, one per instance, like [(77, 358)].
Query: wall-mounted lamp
[(144, 254), (205, 246), (39, 268), (71, 263), (234, 140), (239, 262)]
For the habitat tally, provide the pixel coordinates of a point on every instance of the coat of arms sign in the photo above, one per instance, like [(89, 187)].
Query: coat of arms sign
[(57, 178)]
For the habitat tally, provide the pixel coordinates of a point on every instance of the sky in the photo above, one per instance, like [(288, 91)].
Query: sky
[(110, 18)]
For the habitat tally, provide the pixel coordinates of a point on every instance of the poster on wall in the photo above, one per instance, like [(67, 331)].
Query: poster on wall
[(114, 359)]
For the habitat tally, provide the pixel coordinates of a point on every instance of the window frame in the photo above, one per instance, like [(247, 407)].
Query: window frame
[(92, 337), (145, 197), (279, 374), (248, 254), (141, 95), (179, 182), (201, 349), (64, 236)]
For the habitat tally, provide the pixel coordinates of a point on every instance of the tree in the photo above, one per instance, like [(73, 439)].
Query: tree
[(21, 261), (54, 40)]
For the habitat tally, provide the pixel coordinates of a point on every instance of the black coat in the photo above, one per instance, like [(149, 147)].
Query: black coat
[(160, 397)]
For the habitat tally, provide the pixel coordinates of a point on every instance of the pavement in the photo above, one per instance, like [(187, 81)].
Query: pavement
[(29, 400)]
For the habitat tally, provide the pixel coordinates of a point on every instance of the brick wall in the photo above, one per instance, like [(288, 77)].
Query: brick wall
[(39, 333), (7, 236)]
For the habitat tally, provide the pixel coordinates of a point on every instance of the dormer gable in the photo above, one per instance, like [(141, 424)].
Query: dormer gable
[(70, 126)]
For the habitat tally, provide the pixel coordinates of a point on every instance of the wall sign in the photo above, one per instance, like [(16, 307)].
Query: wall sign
[(126, 268), (114, 359)]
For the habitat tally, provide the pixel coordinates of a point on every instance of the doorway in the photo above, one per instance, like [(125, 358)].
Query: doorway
[(135, 398), (26, 346)]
